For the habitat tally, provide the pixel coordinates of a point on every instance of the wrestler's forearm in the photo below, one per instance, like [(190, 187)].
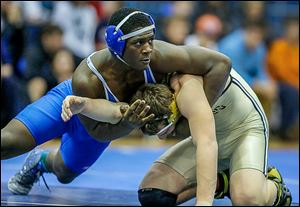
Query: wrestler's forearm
[(204, 138), (206, 162), (105, 131), (102, 110), (112, 132)]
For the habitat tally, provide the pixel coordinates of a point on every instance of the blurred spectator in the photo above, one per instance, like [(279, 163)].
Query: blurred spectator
[(38, 61), (283, 66), (229, 12), (63, 65), (276, 11), (253, 10), (108, 8), (158, 10), (12, 34), (256, 11), (13, 93), (176, 29), (247, 51), (35, 14), (184, 9), (98, 5), (78, 20), (208, 29)]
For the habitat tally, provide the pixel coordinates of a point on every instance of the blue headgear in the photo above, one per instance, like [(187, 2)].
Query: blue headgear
[(115, 38)]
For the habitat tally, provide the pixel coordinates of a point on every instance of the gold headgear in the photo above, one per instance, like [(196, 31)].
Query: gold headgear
[(173, 117), (175, 112)]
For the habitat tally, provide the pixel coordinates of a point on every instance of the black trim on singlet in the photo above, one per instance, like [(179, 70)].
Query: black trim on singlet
[(227, 86), (262, 116)]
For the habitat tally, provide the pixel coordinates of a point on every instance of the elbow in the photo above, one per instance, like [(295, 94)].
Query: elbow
[(226, 61), (221, 66)]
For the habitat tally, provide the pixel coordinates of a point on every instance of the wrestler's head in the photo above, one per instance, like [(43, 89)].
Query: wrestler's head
[(129, 37), (162, 104)]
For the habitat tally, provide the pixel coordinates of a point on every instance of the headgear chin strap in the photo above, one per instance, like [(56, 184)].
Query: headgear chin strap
[(173, 118), (116, 40)]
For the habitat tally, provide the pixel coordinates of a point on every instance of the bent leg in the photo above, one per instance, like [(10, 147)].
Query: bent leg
[(73, 157), (78, 151), (35, 124), (251, 187), (15, 140), (174, 172), (55, 164), (167, 180), (249, 184)]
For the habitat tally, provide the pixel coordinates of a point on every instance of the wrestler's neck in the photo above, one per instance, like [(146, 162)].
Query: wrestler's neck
[(119, 66)]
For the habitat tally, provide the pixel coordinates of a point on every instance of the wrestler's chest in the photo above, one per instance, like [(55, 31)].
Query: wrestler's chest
[(125, 89)]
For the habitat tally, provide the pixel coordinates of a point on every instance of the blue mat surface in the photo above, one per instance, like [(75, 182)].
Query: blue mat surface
[(115, 177)]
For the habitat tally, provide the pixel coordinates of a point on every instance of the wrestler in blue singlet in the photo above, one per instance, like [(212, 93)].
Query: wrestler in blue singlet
[(43, 119)]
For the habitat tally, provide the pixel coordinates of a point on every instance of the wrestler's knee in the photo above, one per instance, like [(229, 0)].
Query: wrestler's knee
[(6, 143), (62, 172), (162, 176), (65, 179), (11, 145), (247, 189), (244, 197), (64, 175), (156, 197), (15, 140)]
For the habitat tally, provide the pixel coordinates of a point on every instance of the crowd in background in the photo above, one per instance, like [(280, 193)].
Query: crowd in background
[(42, 42)]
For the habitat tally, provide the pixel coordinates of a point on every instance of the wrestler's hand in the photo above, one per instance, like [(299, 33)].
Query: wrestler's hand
[(72, 105), (135, 115)]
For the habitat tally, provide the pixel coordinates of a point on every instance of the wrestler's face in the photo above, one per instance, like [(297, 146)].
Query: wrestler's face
[(138, 50)]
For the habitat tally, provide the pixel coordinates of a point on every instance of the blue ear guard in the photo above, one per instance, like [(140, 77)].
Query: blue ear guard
[(115, 38), (111, 37)]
